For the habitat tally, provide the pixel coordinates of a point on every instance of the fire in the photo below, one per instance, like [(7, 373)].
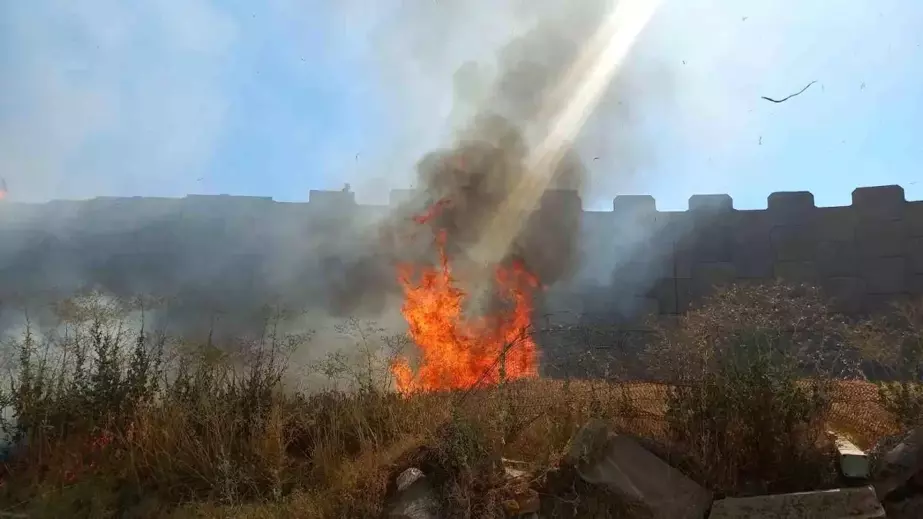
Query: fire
[(458, 352)]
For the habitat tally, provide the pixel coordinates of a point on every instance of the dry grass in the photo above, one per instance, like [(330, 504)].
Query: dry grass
[(297, 465), (222, 438)]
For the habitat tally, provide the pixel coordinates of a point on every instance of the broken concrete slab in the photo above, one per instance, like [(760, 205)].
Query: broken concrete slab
[(625, 468), (588, 443), (896, 467), (841, 503), (909, 508), (854, 462), (414, 498)]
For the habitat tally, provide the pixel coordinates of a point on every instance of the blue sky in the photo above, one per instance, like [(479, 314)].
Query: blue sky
[(168, 97)]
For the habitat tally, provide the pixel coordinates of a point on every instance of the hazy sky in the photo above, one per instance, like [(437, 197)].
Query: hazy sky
[(168, 97)]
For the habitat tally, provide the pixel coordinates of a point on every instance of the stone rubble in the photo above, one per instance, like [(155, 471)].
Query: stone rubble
[(414, 498), (901, 464), (624, 468), (841, 503)]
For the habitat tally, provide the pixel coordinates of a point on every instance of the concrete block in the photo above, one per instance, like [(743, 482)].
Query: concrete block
[(796, 271), (836, 258), (747, 225), (675, 227), (666, 291), (914, 252), (900, 464), (660, 252), (634, 205), (791, 201), (707, 276), (793, 243), (880, 238), (880, 202), (884, 275), (712, 243), (792, 207), (674, 295), (623, 467), (753, 261), (841, 503), (854, 462), (637, 275), (915, 284), (835, 223), (682, 264), (711, 203), (913, 218)]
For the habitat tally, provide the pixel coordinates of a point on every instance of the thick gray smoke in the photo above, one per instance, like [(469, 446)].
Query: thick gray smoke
[(458, 61), (472, 181), (464, 184), (229, 265)]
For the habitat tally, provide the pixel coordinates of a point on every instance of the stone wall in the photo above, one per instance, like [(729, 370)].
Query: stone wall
[(865, 255)]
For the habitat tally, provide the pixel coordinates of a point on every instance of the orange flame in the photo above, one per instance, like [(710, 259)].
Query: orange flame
[(433, 211), (458, 352)]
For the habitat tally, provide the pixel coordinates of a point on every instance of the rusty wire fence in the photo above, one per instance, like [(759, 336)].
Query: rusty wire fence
[(600, 368)]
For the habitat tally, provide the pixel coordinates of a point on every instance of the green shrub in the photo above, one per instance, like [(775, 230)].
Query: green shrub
[(751, 373)]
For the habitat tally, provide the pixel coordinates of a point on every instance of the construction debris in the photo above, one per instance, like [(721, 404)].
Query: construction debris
[(854, 462), (619, 467), (624, 468), (414, 498), (841, 503), (900, 464)]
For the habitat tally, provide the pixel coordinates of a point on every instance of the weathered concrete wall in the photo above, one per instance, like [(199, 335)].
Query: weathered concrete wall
[(643, 260), (864, 255)]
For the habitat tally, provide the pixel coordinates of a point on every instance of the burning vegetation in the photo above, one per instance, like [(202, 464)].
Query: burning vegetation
[(460, 352), (472, 322)]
